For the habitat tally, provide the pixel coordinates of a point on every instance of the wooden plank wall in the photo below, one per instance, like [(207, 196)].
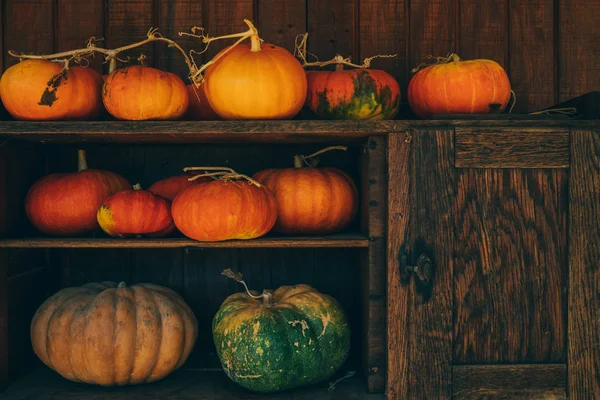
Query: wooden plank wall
[(550, 48)]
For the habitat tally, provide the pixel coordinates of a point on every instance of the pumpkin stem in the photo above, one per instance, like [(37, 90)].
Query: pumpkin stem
[(438, 60), (222, 173), (121, 285), (112, 65), (238, 277), (300, 161), (339, 60), (137, 186), (81, 160)]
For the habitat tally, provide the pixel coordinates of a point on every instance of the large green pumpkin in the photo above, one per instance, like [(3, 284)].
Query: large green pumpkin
[(291, 337)]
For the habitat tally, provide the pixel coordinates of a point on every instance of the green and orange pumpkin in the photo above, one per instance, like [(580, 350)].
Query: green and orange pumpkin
[(282, 339)]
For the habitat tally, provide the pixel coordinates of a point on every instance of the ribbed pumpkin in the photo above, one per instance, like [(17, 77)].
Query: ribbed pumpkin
[(224, 209), (311, 200), (109, 334), (136, 212), (280, 340), (199, 109), (353, 94), (66, 204), (38, 90), (144, 93), (459, 87), (257, 81), (170, 187)]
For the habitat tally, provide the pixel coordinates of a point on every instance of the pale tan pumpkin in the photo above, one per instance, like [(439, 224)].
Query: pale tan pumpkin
[(109, 334)]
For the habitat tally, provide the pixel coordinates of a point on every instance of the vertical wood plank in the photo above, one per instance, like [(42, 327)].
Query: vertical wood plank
[(28, 27), (483, 30), (421, 181), (224, 17), (510, 266), (383, 29), (159, 266), (97, 265), (280, 21), (128, 22), (584, 267), (76, 22), (176, 16), (578, 47), (330, 25), (532, 72), (3, 319), (1, 48)]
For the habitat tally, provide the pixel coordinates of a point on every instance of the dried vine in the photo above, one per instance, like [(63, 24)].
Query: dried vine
[(238, 277), (221, 173)]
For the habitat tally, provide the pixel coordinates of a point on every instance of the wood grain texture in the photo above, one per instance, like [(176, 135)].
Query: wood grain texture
[(510, 266), (281, 21), (383, 29), (420, 215), (97, 265), (224, 17), (159, 266), (532, 59), (176, 16), (76, 22), (4, 370), (128, 22), (508, 382), (578, 47), (584, 267), (512, 148), (483, 30), (374, 192), (330, 25)]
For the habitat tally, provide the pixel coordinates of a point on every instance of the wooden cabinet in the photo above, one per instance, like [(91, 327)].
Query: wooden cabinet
[(505, 304)]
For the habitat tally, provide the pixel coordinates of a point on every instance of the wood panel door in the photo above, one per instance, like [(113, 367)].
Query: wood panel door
[(479, 266)]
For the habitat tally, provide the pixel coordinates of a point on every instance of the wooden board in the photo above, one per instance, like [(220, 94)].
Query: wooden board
[(421, 173), (510, 266), (584, 270), (383, 29), (128, 21), (28, 28), (76, 22), (280, 21), (512, 148), (225, 17), (4, 370), (518, 382), (331, 28), (532, 54), (483, 30), (578, 47)]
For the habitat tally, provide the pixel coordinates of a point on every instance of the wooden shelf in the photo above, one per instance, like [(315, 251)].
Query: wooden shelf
[(43, 383), (294, 131), (341, 240)]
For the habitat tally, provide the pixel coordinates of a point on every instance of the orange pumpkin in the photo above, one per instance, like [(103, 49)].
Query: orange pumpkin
[(257, 81), (39, 90), (170, 187), (311, 200), (459, 87), (199, 109), (143, 93), (113, 335), (136, 212), (66, 204), (223, 210)]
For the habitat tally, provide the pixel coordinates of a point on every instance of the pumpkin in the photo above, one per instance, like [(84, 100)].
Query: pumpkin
[(257, 81), (114, 335), (41, 90), (224, 209), (311, 200), (280, 340), (199, 109), (459, 87), (136, 212), (66, 204), (170, 187), (144, 93), (352, 94)]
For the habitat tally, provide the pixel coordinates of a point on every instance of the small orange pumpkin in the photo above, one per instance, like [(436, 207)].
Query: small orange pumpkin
[(136, 212), (40, 90), (143, 93), (459, 87), (224, 209), (199, 109), (170, 187), (311, 200)]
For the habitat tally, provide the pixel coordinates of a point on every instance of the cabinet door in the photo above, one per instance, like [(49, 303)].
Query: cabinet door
[(477, 263)]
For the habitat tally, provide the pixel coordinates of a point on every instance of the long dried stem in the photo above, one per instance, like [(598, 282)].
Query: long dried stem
[(238, 277), (310, 161), (223, 173)]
